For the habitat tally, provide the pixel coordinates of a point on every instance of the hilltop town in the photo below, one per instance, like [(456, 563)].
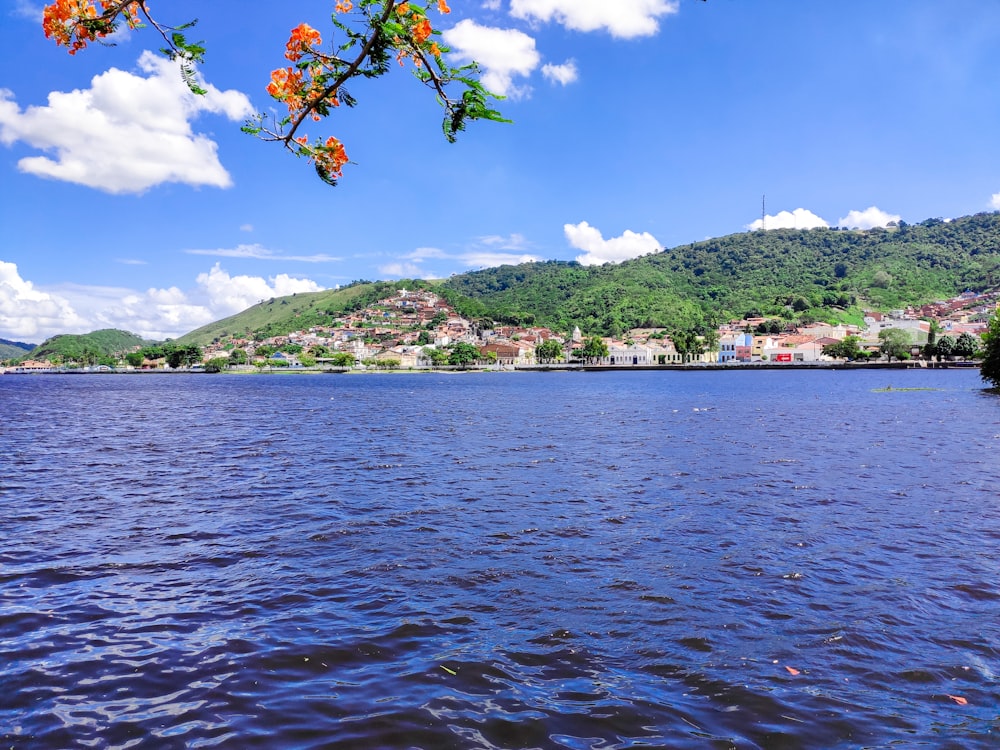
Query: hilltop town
[(417, 329)]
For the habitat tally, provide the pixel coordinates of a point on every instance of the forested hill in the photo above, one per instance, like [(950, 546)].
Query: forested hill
[(814, 274), (14, 349), (87, 347)]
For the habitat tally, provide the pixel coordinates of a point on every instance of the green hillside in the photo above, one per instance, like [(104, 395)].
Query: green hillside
[(805, 275), (14, 349), (88, 347), (282, 315), (817, 274)]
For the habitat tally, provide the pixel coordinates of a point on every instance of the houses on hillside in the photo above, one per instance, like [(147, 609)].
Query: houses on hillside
[(405, 330), (418, 328)]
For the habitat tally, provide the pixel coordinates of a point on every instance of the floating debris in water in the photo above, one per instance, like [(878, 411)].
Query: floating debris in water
[(890, 389)]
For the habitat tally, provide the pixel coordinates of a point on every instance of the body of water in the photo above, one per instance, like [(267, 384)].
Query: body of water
[(502, 560)]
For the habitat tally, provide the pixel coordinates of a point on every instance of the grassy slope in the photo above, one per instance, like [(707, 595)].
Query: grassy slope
[(282, 315)]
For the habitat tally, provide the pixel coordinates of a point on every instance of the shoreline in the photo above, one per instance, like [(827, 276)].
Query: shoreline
[(690, 367)]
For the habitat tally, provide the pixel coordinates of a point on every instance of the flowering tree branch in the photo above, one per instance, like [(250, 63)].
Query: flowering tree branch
[(372, 33)]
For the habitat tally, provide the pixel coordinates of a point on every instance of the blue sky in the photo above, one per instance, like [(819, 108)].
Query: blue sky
[(638, 124)]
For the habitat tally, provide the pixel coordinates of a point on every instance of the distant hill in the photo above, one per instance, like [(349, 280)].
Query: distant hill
[(14, 349), (816, 274), (108, 342)]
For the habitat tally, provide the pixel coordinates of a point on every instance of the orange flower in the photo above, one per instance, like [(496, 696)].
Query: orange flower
[(302, 38), (286, 86), (63, 21), (422, 30), (402, 9), (443, 7), (343, 6), (331, 157)]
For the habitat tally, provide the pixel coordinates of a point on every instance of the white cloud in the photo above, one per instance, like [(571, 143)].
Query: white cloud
[(30, 313), (497, 250), (512, 241), (598, 250), (800, 218), (29, 10), (564, 74), (486, 259), (246, 227), (232, 294), (483, 252), (259, 252), (623, 18), (995, 201), (491, 4), (154, 314), (405, 270), (503, 54), (869, 218), (426, 252), (126, 133)]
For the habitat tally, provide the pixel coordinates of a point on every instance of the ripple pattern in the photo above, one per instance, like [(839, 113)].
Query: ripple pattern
[(551, 560)]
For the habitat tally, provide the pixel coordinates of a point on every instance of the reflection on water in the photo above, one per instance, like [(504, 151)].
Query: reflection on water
[(748, 560)]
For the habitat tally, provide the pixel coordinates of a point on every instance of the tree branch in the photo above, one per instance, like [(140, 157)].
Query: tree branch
[(349, 73)]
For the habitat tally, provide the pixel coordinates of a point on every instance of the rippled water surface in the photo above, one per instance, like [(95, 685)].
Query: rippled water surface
[(552, 560)]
